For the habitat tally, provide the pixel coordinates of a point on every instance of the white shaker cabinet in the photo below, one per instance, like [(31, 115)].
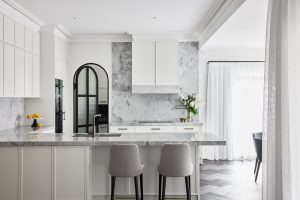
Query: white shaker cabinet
[(1, 70), (155, 67), (167, 70), (9, 71), (19, 72), (19, 35), (9, 173), (71, 176), (28, 74), (9, 30), (1, 27), (28, 40), (143, 72), (35, 76), (36, 43), (37, 173)]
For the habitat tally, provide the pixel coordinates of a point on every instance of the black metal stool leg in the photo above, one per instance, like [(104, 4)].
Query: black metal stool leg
[(189, 181), (257, 171), (141, 186), (113, 181), (187, 186), (164, 187), (136, 188), (159, 187), (256, 161)]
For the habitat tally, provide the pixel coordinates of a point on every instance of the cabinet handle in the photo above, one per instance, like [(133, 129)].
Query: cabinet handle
[(122, 129), (188, 128), (155, 129)]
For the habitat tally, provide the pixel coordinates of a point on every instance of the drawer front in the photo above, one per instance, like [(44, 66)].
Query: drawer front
[(122, 129), (152, 129), (188, 129)]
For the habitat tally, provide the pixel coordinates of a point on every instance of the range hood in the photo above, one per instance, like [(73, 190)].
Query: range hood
[(155, 89)]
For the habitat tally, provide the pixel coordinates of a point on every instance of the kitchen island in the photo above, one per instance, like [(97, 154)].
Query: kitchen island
[(39, 165)]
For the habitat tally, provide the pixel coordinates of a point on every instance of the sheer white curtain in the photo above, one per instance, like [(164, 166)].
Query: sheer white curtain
[(234, 108), (281, 144)]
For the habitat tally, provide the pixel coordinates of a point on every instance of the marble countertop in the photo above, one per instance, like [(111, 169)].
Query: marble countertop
[(26, 136), (157, 124)]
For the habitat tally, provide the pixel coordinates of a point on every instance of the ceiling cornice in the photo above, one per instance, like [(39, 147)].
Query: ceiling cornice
[(219, 14), (23, 11)]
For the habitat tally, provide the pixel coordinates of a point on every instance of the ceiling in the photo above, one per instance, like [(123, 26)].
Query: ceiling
[(246, 28), (119, 16)]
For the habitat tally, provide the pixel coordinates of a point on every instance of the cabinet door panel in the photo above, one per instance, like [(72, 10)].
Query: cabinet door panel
[(70, 176), (28, 74), (1, 26), (9, 71), (37, 173), (36, 43), (28, 40), (9, 173), (36, 76), (19, 73), (1, 70), (9, 30), (19, 35), (167, 70), (143, 63)]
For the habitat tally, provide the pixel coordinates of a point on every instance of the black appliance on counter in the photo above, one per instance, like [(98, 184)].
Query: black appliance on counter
[(59, 113)]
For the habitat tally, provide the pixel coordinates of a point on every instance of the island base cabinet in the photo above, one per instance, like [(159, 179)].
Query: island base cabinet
[(71, 173), (9, 173), (37, 173), (44, 173)]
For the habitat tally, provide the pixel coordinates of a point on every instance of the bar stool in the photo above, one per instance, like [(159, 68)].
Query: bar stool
[(175, 161), (125, 161)]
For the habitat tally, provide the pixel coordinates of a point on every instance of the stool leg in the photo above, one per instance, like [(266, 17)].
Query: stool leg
[(189, 181), (187, 186), (141, 185), (164, 187), (257, 171), (113, 181), (256, 161), (136, 188), (159, 187)]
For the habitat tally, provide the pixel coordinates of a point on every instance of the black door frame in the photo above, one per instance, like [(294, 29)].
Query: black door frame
[(88, 66)]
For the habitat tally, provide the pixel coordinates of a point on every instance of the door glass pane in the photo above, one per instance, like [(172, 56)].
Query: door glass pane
[(92, 109), (82, 110), (91, 129), (82, 130), (92, 82), (82, 82)]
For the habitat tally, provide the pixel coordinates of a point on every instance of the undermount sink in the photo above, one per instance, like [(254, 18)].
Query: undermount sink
[(97, 135)]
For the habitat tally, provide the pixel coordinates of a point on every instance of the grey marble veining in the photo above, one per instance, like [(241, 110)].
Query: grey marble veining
[(26, 136), (11, 112), (128, 107)]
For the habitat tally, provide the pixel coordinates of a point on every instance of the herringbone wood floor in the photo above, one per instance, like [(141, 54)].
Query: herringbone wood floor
[(229, 180)]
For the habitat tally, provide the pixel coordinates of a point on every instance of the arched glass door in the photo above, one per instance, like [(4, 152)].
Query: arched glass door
[(87, 98)]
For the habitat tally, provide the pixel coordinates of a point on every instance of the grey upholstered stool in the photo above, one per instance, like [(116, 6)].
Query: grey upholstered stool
[(175, 161), (125, 162)]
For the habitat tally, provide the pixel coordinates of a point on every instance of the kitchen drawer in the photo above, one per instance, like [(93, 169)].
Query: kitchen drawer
[(188, 129), (122, 129), (151, 129)]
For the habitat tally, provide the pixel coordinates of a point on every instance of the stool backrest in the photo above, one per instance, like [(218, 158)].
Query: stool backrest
[(124, 160), (176, 160)]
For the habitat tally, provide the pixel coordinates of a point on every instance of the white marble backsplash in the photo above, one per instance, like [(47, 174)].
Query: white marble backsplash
[(128, 107), (11, 112)]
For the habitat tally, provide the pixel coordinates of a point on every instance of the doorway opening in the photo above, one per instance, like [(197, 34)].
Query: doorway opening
[(90, 99)]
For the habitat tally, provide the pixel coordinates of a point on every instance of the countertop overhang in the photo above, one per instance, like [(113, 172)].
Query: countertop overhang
[(26, 136)]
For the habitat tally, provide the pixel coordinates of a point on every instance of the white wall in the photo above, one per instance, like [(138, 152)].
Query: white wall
[(222, 54), (89, 52)]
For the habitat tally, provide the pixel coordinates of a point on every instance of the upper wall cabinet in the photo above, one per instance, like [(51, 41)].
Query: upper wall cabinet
[(155, 67), (9, 30), (19, 56), (19, 35)]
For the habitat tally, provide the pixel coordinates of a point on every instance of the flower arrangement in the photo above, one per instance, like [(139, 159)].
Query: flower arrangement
[(191, 104), (35, 117)]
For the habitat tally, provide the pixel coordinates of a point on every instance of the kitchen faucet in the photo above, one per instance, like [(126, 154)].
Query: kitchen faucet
[(94, 124)]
